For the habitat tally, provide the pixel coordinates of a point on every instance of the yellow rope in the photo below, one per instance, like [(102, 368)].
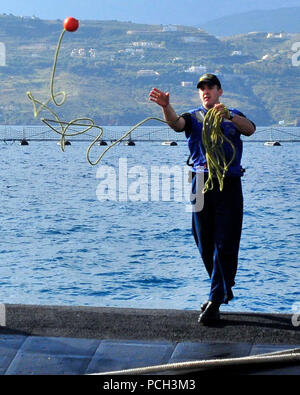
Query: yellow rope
[(212, 136), (213, 139)]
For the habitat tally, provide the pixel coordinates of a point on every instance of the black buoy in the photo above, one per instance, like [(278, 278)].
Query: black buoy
[(24, 142), (67, 142), (129, 142), (173, 143), (273, 143), (102, 142)]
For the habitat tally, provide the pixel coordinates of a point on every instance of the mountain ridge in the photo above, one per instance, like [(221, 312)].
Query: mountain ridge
[(182, 12), (285, 19)]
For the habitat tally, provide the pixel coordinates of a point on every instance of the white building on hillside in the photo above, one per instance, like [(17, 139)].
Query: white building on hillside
[(196, 69), (147, 73)]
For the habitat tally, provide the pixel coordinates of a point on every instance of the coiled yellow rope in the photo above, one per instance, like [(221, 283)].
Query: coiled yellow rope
[(213, 139)]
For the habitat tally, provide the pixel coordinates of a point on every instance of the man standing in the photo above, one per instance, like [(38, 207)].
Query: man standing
[(217, 227)]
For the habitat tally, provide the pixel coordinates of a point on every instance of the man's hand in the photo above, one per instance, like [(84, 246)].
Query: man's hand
[(243, 124), (159, 97), (222, 110)]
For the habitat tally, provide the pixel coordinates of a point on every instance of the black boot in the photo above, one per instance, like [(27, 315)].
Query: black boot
[(211, 314)]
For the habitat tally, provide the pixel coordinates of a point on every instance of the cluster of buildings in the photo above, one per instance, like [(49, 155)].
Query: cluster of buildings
[(83, 53), (192, 70), (138, 48)]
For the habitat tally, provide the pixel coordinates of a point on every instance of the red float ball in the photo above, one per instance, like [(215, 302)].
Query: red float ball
[(71, 24)]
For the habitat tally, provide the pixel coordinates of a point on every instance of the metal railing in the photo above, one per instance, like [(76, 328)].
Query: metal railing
[(147, 134)]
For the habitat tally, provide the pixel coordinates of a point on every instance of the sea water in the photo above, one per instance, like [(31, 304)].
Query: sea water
[(63, 243)]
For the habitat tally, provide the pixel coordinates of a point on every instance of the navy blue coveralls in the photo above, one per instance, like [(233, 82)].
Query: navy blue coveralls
[(217, 227)]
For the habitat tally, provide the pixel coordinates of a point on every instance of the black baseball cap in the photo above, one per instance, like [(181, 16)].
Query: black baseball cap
[(209, 78)]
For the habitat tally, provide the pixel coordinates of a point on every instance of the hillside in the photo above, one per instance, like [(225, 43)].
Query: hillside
[(107, 69)]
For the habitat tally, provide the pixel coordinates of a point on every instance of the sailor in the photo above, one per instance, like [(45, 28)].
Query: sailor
[(217, 226)]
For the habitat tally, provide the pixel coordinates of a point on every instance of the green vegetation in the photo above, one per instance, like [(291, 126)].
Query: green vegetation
[(99, 68)]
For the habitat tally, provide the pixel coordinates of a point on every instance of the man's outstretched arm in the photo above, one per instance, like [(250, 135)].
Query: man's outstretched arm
[(161, 98)]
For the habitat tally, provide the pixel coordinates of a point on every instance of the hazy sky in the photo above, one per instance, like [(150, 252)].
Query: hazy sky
[(189, 12)]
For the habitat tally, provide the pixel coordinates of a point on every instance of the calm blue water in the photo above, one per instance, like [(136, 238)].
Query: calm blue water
[(60, 245)]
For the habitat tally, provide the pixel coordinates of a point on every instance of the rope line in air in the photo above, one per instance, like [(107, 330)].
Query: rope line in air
[(213, 138), (86, 123)]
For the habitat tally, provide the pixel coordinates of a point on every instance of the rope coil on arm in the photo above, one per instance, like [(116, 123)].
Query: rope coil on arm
[(213, 140)]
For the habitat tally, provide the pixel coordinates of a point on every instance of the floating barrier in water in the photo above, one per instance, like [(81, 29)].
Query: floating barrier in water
[(130, 142), (24, 142), (67, 142), (272, 143), (157, 134)]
